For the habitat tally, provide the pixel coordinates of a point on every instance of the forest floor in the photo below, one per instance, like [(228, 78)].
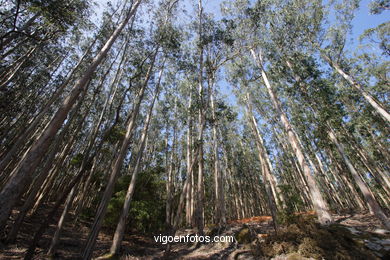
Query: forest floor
[(353, 236)]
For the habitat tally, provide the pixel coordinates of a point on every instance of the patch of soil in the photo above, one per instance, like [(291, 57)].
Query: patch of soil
[(358, 236)]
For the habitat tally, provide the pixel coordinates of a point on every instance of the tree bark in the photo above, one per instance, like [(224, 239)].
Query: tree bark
[(120, 228), (115, 168), (370, 99), (370, 200), (320, 205), (21, 174)]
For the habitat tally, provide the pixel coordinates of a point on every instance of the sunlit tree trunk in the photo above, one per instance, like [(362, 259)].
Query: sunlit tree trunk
[(189, 195), (320, 205), (370, 99), (370, 200), (120, 228), (115, 168), (21, 176)]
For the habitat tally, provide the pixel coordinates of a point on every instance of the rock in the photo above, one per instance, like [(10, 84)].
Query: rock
[(384, 242), (381, 231), (353, 230), (262, 237), (373, 246), (291, 256), (245, 256)]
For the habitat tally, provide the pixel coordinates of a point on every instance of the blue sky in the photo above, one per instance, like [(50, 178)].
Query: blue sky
[(363, 20)]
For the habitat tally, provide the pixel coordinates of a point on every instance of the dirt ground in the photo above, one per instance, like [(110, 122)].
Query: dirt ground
[(353, 236)]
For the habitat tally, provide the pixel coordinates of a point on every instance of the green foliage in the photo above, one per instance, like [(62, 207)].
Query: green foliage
[(147, 213), (62, 13), (168, 37), (77, 160), (380, 35), (115, 134), (292, 200), (378, 6)]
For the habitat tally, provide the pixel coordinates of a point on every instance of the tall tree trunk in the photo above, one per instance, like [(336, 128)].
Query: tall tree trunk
[(9, 74), (189, 195), (180, 207), (200, 186), (43, 175), (320, 205), (370, 200), (270, 186), (33, 123), (120, 228), (171, 173), (115, 168), (86, 154), (21, 174), (57, 233), (220, 209), (370, 99)]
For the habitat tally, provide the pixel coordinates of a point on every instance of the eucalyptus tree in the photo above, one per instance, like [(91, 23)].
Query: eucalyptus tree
[(168, 38), (120, 229), (20, 175), (307, 71), (33, 47), (118, 160), (332, 48), (199, 211), (378, 6), (163, 40), (255, 26), (239, 77), (33, 19)]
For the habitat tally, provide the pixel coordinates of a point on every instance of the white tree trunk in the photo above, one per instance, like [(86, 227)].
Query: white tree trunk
[(370, 200), (320, 205), (21, 175), (370, 99), (120, 228)]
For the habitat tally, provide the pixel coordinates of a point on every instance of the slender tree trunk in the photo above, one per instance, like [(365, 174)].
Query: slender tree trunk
[(170, 179), (180, 208), (42, 177), (86, 155), (32, 124), (370, 99), (120, 228), (48, 220), (372, 204), (20, 175), (220, 209), (200, 186), (7, 76), (270, 186), (320, 205), (115, 168), (56, 236), (189, 198)]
